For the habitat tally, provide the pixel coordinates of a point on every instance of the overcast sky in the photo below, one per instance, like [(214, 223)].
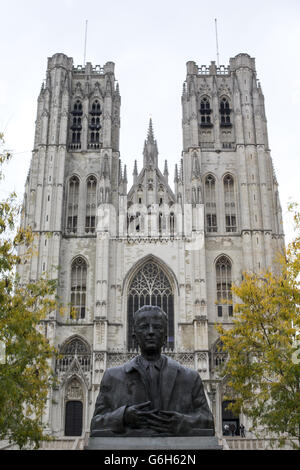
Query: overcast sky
[(150, 43)]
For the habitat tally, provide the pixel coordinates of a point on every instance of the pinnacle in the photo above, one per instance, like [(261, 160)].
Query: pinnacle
[(120, 171), (106, 168), (150, 136), (166, 172), (176, 178), (150, 148)]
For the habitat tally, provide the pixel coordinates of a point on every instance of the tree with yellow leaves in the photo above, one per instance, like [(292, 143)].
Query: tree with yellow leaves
[(263, 366), (25, 353)]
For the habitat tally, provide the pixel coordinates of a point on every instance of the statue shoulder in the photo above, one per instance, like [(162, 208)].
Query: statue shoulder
[(113, 373), (118, 371), (186, 371)]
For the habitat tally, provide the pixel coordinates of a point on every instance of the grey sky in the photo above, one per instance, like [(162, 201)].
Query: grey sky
[(150, 43)]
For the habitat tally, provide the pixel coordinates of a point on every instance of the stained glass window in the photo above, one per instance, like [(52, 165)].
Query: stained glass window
[(151, 286)]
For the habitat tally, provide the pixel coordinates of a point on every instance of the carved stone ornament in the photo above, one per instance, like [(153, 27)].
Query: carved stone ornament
[(74, 390)]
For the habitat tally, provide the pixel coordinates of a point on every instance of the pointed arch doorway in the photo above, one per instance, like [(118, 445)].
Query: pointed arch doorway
[(150, 286), (74, 398), (73, 421)]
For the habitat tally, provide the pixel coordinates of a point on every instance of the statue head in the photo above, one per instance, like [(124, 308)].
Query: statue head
[(150, 328)]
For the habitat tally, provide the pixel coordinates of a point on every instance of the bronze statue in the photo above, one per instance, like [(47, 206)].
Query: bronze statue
[(152, 394)]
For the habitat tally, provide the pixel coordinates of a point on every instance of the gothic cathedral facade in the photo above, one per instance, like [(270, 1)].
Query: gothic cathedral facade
[(114, 250)]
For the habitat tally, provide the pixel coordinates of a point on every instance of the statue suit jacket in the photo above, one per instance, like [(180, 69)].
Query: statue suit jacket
[(181, 390)]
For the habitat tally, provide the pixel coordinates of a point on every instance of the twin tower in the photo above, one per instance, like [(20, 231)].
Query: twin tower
[(114, 249)]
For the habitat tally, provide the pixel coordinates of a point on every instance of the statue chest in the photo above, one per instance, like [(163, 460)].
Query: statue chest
[(137, 389)]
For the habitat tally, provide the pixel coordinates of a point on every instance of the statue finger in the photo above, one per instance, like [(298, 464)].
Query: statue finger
[(158, 419), (148, 413), (161, 429), (158, 424), (167, 413), (142, 405), (170, 414), (153, 411)]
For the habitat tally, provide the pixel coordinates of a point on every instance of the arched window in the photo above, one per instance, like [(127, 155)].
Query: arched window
[(230, 206), (223, 285), (218, 356), (130, 224), (139, 226), (75, 346), (205, 112), (91, 204), (76, 126), (172, 223), (225, 113), (78, 288), (72, 205), (94, 125), (199, 195), (96, 109), (135, 223), (160, 222), (151, 286), (77, 107), (210, 204), (194, 196)]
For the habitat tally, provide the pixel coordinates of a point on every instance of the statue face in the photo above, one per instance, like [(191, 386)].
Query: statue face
[(150, 331)]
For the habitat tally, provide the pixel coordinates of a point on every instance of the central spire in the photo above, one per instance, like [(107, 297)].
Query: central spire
[(150, 148), (150, 137)]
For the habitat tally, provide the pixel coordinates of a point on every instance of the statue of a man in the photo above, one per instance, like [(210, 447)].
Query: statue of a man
[(152, 394)]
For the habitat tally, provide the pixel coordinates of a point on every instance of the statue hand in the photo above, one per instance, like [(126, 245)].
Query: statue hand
[(167, 421), (134, 415)]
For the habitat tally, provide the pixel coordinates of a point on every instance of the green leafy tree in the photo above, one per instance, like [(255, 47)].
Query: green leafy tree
[(263, 367), (25, 372)]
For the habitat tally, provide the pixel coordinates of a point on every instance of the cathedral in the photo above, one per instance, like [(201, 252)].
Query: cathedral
[(179, 244)]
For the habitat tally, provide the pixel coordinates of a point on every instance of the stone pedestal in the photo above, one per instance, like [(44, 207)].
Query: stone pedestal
[(154, 443)]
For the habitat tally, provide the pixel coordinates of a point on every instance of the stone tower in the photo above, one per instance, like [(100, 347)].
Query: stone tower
[(115, 250)]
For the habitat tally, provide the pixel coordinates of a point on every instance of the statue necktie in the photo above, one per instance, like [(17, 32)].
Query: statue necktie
[(154, 385)]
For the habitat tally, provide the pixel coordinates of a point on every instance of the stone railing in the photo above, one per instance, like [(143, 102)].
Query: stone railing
[(221, 70), (6, 445), (115, 358), (228, 145), (98, 69), (239, 443), (228, 443), (207, 145), (81, 69), (75, 146), (64, 362), (61, 443), (78, 69), (203, 70)]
